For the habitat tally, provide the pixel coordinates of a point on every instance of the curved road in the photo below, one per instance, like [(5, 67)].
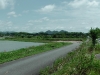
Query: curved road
[(33, 64)]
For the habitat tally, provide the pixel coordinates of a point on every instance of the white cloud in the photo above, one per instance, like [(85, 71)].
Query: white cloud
[(9, 23), (34, 21), (93, 3), (47, 8), (13, 13), (6, 25), (85, 3), (65, 2), (6, 3), (10, 26), (77, 3), (45, 18)]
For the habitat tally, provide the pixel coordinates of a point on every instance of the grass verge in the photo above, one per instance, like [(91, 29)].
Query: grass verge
[(44, 39), (13, 55), (78, 62)]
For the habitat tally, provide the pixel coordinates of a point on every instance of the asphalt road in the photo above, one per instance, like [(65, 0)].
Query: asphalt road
[(97, 56), (33, 64)]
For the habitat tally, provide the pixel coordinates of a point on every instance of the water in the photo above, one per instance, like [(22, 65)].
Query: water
[(6, 46)]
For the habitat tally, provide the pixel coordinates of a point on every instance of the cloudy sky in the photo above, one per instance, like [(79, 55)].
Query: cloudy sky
[(43, 15)]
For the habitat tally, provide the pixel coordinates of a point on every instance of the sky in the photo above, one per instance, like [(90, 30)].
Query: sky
[(42, 15)]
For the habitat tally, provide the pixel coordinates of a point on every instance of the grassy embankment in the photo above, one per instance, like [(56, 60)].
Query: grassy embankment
[(82, 61), (13, 55), (44, 39)]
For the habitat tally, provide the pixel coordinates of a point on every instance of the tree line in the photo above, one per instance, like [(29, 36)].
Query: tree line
[(46, 34)]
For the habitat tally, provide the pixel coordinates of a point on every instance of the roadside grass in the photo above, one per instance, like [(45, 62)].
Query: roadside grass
[(78, 62), (24, 52), (28, 40)]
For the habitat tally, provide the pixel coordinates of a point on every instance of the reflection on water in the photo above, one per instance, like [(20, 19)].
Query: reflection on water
[(14, 45)]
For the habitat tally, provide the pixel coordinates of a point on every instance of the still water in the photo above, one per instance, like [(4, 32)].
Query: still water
[(6, 46)]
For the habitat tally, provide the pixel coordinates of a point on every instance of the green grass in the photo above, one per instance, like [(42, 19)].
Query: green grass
[(13, 55), (44, 39), (78, 62)]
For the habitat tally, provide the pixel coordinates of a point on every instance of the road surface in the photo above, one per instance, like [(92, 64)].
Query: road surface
[(97, 56), (33, 64)]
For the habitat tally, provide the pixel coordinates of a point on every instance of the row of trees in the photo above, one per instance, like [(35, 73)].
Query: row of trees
[(47, 34)]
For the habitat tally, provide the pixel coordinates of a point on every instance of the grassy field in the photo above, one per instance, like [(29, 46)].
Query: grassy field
[(13, 55), (82, 61)]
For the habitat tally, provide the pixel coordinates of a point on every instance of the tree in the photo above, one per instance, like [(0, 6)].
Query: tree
[(94, 35)]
